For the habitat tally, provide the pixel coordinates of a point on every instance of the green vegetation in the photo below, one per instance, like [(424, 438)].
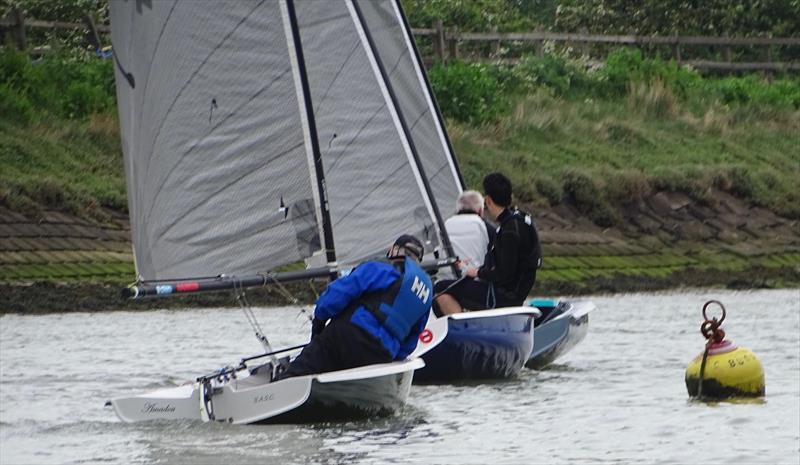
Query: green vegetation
[(711, 17), (474, 92), (469, 92), (59, 135), (596, 138), (63, 86), (472, 15), (610, 136)]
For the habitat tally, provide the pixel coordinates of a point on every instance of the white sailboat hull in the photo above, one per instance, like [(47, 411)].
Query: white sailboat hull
[(358, 392)]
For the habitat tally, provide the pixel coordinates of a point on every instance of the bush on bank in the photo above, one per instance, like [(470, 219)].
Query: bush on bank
[(65, 86), (479, 93)]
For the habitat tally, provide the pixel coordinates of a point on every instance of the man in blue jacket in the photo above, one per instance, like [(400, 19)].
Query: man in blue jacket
[(375, 314)]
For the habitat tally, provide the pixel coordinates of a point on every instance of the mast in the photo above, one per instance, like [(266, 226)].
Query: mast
[(327, 228), (406, 133)]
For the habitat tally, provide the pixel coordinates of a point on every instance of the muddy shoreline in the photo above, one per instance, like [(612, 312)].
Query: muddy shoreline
[(58, 262), (45, 297)]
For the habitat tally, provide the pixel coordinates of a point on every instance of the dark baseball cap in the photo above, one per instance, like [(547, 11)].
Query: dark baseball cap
[(411, 245)]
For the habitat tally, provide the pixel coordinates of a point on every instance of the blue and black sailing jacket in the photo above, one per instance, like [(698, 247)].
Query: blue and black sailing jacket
[(391, 306)]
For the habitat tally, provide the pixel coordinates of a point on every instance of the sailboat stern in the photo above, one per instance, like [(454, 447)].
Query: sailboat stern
[(237, 401), (178, 403)]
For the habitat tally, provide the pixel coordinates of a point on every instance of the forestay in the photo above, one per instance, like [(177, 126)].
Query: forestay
[(246, 149)]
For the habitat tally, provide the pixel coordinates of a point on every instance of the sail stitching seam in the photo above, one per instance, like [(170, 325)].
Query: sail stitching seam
[(195, 73)]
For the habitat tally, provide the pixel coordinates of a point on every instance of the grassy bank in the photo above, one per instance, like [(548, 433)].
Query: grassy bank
[(594, 138), (59, 136), (604, 137), (602, 153), (604, 157), (67, 165)]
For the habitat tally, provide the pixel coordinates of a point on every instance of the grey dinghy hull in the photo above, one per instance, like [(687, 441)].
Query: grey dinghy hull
[(368, 391), (562, 326)]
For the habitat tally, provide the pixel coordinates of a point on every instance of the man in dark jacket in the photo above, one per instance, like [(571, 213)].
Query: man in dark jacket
[(375, 314), (509, 270)]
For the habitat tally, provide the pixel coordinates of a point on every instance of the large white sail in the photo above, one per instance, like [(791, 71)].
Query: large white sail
[(246, 149)]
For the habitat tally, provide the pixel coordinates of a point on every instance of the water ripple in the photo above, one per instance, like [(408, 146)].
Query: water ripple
[(617, 398)]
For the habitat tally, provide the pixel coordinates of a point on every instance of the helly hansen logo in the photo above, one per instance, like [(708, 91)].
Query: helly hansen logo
[(420, 289)]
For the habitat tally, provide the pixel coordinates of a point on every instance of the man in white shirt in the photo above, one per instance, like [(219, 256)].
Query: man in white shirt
[(469, 233), (509, 269)]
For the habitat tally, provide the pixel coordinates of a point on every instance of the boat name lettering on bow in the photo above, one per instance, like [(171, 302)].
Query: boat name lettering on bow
[(263, 398), (155, 408)]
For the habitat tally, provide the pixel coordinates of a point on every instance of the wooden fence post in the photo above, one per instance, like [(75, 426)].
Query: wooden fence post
[(539, 44), (452, 44), (19, 28), (92, 36), (726, 51), (585, 46), (5, 34), (676, 48), (495, 44), (438, 40), (768, 58)]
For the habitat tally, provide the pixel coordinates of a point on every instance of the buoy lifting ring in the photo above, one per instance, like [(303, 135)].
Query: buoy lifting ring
[(710, 329)]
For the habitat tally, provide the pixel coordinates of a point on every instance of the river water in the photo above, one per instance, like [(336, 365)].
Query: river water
[(619, 397)]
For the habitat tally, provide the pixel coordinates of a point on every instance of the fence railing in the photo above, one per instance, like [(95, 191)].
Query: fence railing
[(447, 43), (13, 29)]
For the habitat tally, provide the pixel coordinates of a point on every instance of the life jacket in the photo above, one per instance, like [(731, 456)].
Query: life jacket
[(401, 305), (534, 259)]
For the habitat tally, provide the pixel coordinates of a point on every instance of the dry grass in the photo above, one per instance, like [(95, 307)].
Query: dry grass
[(614, 131), (653, 99), (105, 125), (626, 186), (538, 111), (716, 121)]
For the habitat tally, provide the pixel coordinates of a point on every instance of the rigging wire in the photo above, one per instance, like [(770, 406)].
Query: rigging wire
[(241, 299), (313, 290), (289, 296)]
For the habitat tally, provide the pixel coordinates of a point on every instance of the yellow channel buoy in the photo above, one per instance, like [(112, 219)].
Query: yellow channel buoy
[(723, 370)]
